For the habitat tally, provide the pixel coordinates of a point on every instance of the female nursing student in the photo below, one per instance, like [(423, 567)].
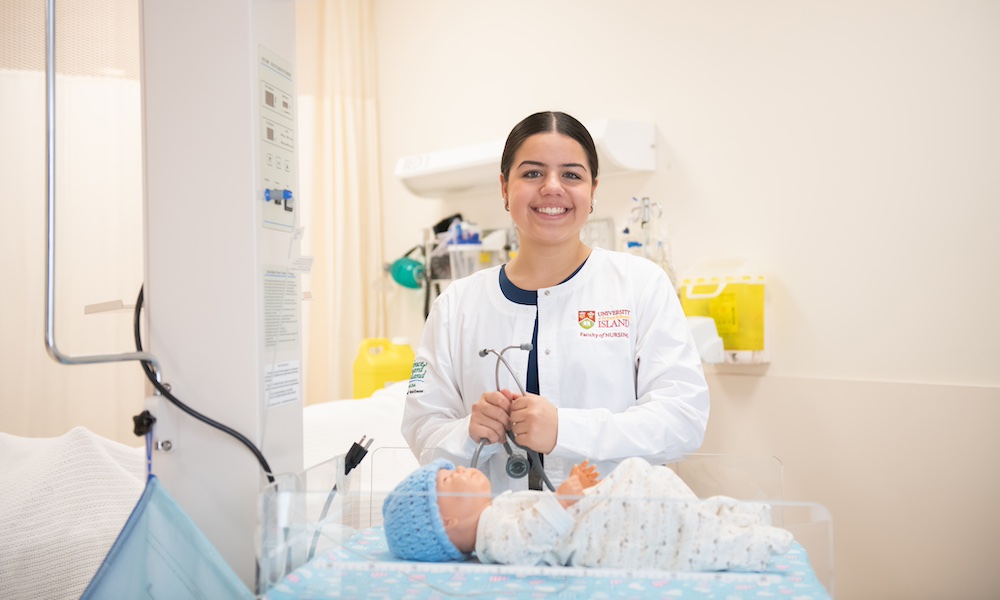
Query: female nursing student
[(612, 372)]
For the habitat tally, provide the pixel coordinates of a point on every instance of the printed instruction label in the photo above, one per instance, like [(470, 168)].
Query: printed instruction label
[(281, 310), (282, 383), (282, 345)]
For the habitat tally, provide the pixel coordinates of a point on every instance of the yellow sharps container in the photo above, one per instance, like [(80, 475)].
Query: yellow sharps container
[(734, 302), (381, 361)]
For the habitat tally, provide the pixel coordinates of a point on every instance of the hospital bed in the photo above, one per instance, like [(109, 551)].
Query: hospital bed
[(64, 500)]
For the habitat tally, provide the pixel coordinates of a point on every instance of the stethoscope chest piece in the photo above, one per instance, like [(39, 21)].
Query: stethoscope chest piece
[(517, 464)]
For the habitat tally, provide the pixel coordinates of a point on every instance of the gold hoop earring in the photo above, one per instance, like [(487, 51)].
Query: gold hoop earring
[(506, 207), (591, 209)]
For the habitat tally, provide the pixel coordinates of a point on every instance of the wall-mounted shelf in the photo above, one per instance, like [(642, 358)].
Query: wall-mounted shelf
[(622, 146)]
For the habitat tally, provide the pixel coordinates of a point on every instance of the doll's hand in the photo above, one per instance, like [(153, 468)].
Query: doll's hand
[(571, 487), (586, 473)]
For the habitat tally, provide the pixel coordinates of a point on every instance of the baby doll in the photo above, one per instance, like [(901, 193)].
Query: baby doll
[(640, 516)]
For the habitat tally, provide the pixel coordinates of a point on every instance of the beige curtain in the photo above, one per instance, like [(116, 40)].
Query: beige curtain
[(99, 210), (336, 65)]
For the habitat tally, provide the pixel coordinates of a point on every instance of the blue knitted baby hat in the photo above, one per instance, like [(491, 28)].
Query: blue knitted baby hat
[(412, 521)]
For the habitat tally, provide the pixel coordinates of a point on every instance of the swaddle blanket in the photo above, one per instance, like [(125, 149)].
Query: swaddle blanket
[(62, 503), (640, 516)]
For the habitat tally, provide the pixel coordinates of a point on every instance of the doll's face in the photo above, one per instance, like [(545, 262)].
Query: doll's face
[(462, 492)]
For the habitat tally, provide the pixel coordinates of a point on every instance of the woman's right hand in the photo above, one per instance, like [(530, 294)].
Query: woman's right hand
[(491, 416)]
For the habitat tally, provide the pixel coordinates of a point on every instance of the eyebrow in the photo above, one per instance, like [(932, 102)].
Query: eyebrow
[(541, 164)]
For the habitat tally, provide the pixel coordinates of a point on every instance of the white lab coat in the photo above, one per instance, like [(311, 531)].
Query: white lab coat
[(629, 384)]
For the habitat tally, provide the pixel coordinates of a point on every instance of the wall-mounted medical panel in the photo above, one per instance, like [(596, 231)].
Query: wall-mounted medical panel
[(622, 146), (278, 165)]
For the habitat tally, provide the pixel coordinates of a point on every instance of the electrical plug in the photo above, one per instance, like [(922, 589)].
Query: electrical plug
[(356, 454)]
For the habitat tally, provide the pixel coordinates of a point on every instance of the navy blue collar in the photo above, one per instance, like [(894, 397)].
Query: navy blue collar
[(519, 296), (514, 293)]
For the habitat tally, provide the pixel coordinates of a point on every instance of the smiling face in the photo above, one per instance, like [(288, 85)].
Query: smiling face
[(549, 190)]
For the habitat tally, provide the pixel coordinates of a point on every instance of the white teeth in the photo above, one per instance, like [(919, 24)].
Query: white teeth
[(551, 210)]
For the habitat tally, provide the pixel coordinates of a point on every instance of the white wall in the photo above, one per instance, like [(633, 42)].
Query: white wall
[(850, 151)]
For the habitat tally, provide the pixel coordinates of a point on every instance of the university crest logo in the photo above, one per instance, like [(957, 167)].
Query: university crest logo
[(586, 318)]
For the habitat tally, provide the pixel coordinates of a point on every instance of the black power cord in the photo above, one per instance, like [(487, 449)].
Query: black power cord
[(144, 420)]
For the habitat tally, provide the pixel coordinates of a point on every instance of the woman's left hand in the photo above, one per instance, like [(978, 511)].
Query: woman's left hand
[(535, 423)]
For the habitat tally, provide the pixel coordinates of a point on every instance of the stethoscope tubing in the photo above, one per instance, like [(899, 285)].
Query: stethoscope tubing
[(536, 460)]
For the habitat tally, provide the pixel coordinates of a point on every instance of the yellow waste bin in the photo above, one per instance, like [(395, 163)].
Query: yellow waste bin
[(381, 361), (734, 302)]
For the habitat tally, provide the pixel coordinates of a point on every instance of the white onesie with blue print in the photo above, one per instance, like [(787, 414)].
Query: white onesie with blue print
[(640, 516)]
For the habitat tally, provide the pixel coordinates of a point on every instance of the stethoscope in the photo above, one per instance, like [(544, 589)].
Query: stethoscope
[(517, 465)]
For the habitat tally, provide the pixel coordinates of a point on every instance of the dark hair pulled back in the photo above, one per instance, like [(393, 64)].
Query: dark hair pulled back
[(547, 122)]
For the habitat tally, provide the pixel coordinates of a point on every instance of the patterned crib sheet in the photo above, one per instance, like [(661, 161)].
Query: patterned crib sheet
[(363, 567)]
